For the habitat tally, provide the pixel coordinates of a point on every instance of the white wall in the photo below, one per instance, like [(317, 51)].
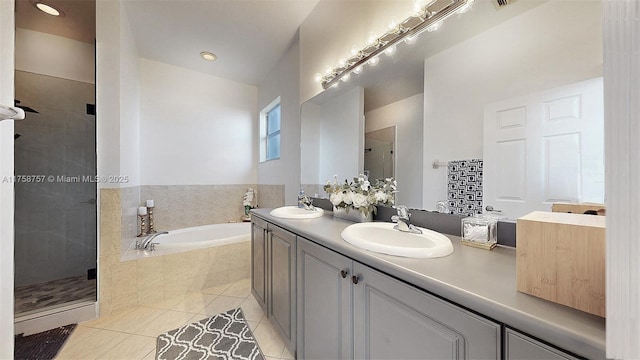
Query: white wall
[(108, 24), (342, 136), (407, 116), (333, 28), (6, 189), (129, 104), (557, 43), (48, 54), (195, 128), (283, 81)]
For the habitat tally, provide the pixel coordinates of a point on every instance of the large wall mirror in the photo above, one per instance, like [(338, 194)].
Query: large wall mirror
[(379, 150), (436, 92)]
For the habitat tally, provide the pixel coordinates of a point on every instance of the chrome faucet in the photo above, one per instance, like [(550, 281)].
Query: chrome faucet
[(307, 203), (147, 243), (403, 220)]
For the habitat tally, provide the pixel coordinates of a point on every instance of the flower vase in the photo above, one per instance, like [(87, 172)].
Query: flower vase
[(353, 215)]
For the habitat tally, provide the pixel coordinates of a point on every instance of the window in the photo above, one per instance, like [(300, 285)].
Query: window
[(270, 132)]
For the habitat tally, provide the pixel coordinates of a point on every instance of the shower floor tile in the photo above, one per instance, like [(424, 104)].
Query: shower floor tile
[(53, 293)]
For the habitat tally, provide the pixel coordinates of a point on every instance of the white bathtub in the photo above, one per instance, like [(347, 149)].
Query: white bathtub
[(198, 237), (206, 235)]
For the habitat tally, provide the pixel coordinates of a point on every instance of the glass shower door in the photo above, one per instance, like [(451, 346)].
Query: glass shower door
[(55, 208)]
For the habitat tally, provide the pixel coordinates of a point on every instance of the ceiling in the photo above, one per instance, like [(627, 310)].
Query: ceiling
[(249, 36), (77, 23)]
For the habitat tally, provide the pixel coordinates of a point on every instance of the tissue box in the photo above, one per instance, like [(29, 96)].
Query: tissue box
[(480, 231), (561, 258)]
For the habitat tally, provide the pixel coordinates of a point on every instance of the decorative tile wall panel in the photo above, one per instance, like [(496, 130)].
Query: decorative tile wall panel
[(464, 186)]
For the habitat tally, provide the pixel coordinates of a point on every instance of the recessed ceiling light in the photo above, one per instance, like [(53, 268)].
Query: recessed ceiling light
[(49, 9), (208, 56)]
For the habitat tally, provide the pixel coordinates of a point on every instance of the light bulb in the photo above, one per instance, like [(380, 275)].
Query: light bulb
[(418, 7), (373, 61), (357, 69), (390, 50), (209, 56), (318, 77), (465, 7), (410, 39), (346, 77), (342, 63), (435, 26), (48, 9)]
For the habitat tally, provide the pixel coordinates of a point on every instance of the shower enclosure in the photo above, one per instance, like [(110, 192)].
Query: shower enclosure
[(379, 159), (55, 201)]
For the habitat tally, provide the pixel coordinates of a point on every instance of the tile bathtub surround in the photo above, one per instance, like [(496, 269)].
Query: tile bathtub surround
[(181, 206), (129, 283), (272, 196), (132, 333), (313, 189), (137, 282)]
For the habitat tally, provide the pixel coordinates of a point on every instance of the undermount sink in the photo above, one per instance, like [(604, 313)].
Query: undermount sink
[(381, 237), (294, 212)]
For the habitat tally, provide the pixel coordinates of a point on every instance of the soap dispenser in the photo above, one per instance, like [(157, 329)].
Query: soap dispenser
[(301, 197)]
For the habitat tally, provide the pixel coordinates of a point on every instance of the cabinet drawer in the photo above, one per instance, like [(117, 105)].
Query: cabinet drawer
[(519, 346)]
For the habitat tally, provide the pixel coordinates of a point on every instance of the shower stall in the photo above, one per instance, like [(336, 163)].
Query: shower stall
[(55, 250), (55, 205)]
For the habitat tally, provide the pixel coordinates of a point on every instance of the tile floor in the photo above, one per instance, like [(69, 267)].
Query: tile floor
[(54, 293), (132, 334)]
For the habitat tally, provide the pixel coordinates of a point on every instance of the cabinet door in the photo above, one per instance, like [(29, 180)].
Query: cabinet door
[(324, 303), (521, 347), (259, 261), (395, 321), (281, 283)]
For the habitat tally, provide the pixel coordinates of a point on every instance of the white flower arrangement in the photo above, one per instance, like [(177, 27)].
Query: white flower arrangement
[(360, 194)]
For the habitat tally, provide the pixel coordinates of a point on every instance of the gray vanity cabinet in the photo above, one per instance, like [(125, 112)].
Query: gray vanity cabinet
[(281, 283), (395, 320), (324, 303), (259, 261), (347, 310), (519, 346), (273, 276)]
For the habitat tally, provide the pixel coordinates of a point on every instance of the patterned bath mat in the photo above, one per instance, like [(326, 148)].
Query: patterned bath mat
[(41, 346), (223, 336)]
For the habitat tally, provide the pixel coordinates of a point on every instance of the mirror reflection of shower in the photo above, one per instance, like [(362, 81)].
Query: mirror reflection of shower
[(379, 153)]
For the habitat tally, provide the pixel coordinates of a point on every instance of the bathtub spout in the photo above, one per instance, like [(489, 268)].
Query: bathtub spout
[(147, 242)]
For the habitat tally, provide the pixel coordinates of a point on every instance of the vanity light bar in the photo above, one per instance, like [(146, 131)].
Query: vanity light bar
[(410, 27)]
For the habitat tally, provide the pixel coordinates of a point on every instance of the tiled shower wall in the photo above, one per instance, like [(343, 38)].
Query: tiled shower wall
[(55, 219), (126, 284)]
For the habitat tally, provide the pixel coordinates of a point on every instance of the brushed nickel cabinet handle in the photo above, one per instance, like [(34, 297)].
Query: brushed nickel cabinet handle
[(343, 273), (354, 279)]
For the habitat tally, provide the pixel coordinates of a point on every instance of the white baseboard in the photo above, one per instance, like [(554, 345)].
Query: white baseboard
[(51, 319)]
